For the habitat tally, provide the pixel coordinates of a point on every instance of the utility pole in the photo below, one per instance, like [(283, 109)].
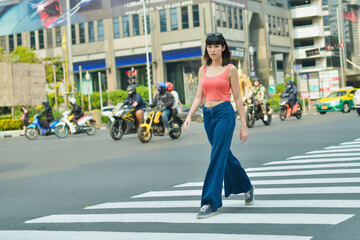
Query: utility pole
[(69, 44), (147, 52), (341, 49)]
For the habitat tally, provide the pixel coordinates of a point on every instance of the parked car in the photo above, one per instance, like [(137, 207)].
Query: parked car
[(197, 117), (107, 111), (340, 100), (356, 101)]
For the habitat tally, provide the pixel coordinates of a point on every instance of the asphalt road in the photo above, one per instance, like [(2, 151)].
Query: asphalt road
[(61, 177)]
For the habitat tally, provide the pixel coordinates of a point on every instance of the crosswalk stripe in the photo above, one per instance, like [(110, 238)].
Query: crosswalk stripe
[(258, 191), (340, 147), (325, 155), (92, 235), (303, 173), (285, 181), (334, 151), (314, 161), (225, 218), (349, 143), (314, 166), (233, 204)]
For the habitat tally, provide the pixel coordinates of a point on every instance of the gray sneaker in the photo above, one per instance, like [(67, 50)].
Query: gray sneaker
[(249, 196), (206, 211)]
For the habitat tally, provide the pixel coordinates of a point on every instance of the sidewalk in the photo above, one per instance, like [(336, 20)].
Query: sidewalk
[(14, 133)]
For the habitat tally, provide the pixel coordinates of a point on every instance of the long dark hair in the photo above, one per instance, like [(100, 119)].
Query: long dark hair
[(217, 39)]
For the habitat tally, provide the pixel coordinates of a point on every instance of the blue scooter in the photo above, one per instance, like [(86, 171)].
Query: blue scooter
[(34, 129)]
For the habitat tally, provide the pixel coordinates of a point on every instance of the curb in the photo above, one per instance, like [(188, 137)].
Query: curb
[(8, 134)]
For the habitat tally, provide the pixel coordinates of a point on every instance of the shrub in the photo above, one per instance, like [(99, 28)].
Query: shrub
[(3, 117), (143, 91), (104, 119), (11, 124), (117, 96)]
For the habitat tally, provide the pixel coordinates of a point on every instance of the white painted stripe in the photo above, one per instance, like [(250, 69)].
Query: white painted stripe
[(349, 143), (339, 147), (357, 140), (314, 161), (92, 235), (313, 166), (334, 151), (255, 218), (303, 173), (258, 191), (233, 204), (326, 155), (285, 181)]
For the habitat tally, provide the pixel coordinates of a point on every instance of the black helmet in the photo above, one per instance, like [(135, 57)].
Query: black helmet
[(132, 89), (256, 79), (289, 82)]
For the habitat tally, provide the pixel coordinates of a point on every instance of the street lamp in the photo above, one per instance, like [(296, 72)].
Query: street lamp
[(87, 77)]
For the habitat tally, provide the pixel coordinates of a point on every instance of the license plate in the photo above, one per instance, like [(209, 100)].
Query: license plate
[(324, 107)]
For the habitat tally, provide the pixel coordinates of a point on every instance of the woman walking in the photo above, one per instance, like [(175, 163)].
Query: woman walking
[(216, 78)]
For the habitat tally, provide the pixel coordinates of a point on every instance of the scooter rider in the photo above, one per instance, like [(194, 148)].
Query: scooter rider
[(168, 101), (77, 111), (177, 104), (259, 93), (291, 89), (48, 116), (135, 100)]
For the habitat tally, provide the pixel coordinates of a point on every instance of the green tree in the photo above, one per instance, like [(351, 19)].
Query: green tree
[(49, 62), (24, 55)]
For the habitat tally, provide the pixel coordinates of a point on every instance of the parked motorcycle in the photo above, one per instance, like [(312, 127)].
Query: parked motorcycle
[(35, 129), (285, 109), (254, 112), (86, 125), (123, 121), (153, 125)]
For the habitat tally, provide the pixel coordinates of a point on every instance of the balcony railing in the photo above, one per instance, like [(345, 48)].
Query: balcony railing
[(304, 11), (309, 31)]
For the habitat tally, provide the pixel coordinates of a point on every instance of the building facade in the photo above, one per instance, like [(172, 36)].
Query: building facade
[(259, 35)]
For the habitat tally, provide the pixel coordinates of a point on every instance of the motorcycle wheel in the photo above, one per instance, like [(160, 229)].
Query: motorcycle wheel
[(116, 131), (92, 131), (61, 131), (31, 133), (282, 114), (144, 135), (299, 114), (267, 123), (175, 133), (250, 121)]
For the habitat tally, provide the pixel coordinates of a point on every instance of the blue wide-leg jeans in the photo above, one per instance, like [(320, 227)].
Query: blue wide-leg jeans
[(219, 122)]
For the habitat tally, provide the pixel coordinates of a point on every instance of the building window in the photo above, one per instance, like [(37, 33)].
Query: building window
[(82, 32), (162, 20), (217, 15), (196, 19), (3, 42), (223, 16), (173, 19), (11, 43), (91, 31), (58, 36), (126, 29), (286, 27), (116, 27), (49, 38), (100, 27), (235, 18), (185, 17), (282, 27), (274, 25), (136, 26), (229, 17), (73, 34), (41, 39), (147, 24), (19, 39), (241, 19), (278, 26), (32, 40), (333, 61)]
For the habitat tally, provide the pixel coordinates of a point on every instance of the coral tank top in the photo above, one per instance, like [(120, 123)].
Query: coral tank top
[(216, 88)]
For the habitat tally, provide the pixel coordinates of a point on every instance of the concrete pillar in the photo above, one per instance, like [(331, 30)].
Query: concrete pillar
[(110, 55)]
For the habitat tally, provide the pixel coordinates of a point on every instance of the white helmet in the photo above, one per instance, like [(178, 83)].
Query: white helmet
[(72, 101)]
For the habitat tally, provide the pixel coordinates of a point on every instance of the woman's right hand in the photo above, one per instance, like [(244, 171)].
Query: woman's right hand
[(187, 124)]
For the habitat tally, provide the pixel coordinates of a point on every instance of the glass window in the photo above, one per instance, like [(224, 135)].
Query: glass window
[(235, 17), (269, 24), (241, 19), (162, 20), (116, 27), (49, 38), (184, 17), (3, 42), (196, 19), (73, 34), (136, 26), (286, 27), (32, 40), (217, 15), (147, 24), (282, 27), (278, 26), (229, 17), (11, 43), (173, 19), (19, 39), (91, 31), (82, 32), (274, 25), (126, 27), (41, 39), (58, 36), (223, 16), (100, 26)]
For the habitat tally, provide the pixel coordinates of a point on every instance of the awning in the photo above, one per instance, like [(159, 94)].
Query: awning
[(182, 53), (132, 60), (90, 65)]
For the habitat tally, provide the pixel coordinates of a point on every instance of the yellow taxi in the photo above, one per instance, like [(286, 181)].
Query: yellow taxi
[(340, 100)]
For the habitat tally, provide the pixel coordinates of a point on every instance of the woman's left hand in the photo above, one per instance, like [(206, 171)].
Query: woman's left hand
[(243, 134)]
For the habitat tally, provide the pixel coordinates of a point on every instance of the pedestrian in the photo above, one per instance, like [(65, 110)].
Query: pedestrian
[(177, 106), (216, 78), (25, 117)]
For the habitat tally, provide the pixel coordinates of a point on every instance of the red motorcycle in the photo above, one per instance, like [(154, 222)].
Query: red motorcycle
[(285, 109)]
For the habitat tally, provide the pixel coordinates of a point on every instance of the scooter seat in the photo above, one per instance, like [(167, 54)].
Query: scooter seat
[(82, 117)]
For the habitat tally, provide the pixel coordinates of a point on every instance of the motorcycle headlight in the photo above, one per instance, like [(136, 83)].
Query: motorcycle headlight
[(119, 113)]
